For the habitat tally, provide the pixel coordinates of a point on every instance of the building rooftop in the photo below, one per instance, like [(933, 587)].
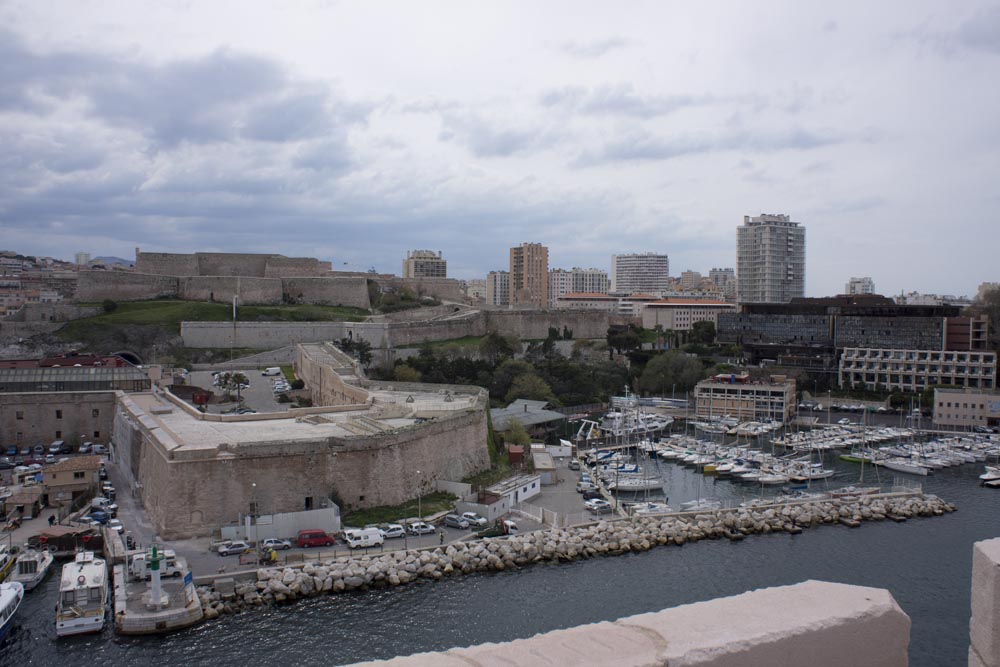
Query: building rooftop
[(75, 464), (529, 413)]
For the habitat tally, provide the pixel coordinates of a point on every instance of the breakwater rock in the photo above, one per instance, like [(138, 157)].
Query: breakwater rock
[(605, 538)]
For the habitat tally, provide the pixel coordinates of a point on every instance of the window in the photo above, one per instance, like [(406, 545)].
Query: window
[(58, 414), (309, 503), (19, 436), (97, 434), (58, 435), (76, 475), (95, 413), (19, 414)]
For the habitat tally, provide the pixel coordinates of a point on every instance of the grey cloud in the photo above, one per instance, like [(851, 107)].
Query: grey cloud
[(332, 156), (619, 99), (297, 117), (981, 31), (488, 139), (643, 146), (593, 49)]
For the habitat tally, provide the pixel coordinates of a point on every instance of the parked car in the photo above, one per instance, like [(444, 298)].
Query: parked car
[(590, 495), (474, 519), (12, 450), (598, 506), (231, 548), (39, 451), (393, 530), (86, 447), (844, 422), (358, 538), (574, 464), (6, 463), (99, 516), (50, 458), (455, 521), (66, 448), (313, 538), (116, 525), (420, 528), (56, 447), (25, 451), (100, 449), (276, 543), (585, 486)]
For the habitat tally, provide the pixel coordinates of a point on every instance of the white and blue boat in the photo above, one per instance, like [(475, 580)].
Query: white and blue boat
[(11, 594)]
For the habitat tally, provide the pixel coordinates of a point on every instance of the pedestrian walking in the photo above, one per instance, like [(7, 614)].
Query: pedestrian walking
[(441, 536)]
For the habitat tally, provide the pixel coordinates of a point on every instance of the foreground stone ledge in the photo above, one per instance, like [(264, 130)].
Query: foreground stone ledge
[(813, 623), (984, 630)]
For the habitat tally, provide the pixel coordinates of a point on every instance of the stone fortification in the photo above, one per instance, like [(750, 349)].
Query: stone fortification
[(383, 335), (95, 286), (251, 291), (200, 472), (255, 265), (329, 291)]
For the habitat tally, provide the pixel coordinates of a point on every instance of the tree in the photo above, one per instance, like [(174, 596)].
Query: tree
[(671, 371), (109, 306), (405, 373), (703, 332), (531, 387), (505, 374), (623, 339), (515, 434), (496, 348)]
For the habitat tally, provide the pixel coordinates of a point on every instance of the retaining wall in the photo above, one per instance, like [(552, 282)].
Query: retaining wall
[(332, 291), (813, 623), (124, 286), (251, 291)]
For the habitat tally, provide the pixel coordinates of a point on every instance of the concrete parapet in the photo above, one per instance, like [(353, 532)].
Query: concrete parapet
[(813, 623), (984, 630)]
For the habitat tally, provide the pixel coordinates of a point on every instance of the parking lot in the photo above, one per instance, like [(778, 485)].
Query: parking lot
[(258, 396)]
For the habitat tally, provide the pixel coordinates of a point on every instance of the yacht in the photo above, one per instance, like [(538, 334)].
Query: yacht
[(6, 561), (11, 594), (31, 567), (83, 595)]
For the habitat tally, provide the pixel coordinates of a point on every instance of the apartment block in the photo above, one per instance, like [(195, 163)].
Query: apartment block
[(647, 272), (745, 399), (770, 259), (681, 314), (916, 370), (863, 285), (498, 288), (529, 275), (425, 264), (725, 280), (562, 282)]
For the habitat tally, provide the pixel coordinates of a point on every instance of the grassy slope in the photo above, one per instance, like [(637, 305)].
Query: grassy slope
[(171, 313)]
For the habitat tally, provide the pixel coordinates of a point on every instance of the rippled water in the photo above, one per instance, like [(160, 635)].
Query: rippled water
[(925, 563)]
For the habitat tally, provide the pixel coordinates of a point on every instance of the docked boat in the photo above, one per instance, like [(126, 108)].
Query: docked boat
[(83, 596), (992, 474), (31, 567), (900, 464), (633, 484), (700, 505), (6, 561), (11, 594)]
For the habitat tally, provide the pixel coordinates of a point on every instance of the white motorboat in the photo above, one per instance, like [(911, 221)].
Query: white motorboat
[(31, 567), (700, 504), (11, 594), (83, 595), (627, 484), (900, 464), (992, 474)]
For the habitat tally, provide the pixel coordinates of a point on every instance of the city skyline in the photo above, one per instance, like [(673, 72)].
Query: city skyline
[(327, 129)]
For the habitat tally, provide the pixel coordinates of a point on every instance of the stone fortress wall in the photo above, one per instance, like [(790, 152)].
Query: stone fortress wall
[(253, 265), (525, 324)]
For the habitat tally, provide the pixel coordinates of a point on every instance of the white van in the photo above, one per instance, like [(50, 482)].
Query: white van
[(364, 537), (168, 566), (100, 503), (273, 370)]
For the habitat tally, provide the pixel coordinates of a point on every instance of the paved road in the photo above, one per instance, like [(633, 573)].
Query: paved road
[(259, 396)]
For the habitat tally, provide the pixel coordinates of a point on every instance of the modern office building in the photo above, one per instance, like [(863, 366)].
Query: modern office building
[(770, 259), (678, 314), (745, 399), (425, 264), (529, 275), (967, 408), (863, 285), (646, 272), (498, 288), (915, 370)]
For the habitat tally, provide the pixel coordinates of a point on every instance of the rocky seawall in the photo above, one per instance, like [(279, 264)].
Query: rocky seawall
[(605, 538)]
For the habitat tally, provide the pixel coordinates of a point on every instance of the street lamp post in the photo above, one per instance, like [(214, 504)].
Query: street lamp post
[(420, 489)]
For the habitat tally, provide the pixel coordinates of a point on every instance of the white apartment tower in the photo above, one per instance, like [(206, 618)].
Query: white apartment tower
[(770, 259), (498, 288), (860, 286), (635, 273), (577, 280)]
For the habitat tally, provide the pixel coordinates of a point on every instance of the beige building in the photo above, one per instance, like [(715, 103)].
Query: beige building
[(425, 264), (681, 314), (915, 370), (72, 478), (364, 444), (628, 306), (646, 272), (33, 418), (562, 282), (966, 408), (745, 399), (529, 275)]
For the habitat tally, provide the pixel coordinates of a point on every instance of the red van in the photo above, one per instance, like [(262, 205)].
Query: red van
[(314, 538)]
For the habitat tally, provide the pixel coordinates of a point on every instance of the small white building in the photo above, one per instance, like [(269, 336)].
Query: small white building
[(517, 489)]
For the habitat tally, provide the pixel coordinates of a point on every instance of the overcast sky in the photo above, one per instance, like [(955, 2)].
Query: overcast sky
[(354, 132)]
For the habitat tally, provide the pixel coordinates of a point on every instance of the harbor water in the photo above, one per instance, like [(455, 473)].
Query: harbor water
[(925, 563)]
